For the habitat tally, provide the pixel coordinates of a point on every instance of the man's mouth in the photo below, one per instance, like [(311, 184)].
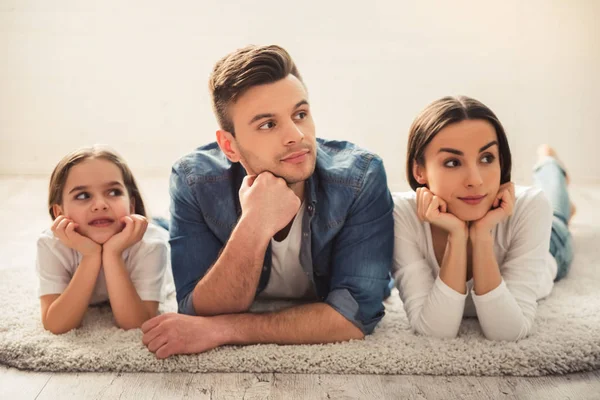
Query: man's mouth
[(101, 222), (473, 200), (296, 157)]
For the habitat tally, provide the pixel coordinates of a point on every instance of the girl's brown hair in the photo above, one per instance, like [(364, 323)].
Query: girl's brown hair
[(59, 176), (446, 111)]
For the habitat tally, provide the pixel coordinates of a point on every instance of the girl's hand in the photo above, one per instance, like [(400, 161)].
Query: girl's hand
[(64, 229), (502, 208), (433, 209), (135, 227)]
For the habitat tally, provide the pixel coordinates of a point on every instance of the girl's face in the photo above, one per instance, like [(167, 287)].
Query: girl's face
[(462, 166), (95, 197)]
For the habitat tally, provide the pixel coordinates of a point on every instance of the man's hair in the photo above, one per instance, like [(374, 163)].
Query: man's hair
[(243, 69), (440, 114)]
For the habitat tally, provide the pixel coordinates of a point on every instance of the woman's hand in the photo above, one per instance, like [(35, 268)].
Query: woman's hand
[(64, 229), (433, 209), (135, 227), (502, 208)]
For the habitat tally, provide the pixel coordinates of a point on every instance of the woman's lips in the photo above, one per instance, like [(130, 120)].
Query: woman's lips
[(472, 200), (101, 222)]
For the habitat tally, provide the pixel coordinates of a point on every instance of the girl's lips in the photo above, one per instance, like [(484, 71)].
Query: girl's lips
[(472, 200), (102, 222)]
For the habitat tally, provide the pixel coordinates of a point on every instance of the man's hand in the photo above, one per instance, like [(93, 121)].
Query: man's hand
[(65, 230), (135, 227), (170, 334), (268, 202), (433, 209), (502, 208)]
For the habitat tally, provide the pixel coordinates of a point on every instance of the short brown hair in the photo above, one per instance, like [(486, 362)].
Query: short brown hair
[(446, 111), (243, 69), (58, 179)]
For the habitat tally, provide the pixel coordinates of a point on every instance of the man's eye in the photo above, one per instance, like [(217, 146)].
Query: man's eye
[(267, 125), (451, 163), (82, 196), (301, 115)]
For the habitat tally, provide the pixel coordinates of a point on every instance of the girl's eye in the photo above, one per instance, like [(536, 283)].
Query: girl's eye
[(451, 163), (115, 192), (267, 125), (488, 159), (82, 196)]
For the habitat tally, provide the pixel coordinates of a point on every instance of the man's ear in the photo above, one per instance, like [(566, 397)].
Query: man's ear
[(228, 145), (419, 174), (56, 210)]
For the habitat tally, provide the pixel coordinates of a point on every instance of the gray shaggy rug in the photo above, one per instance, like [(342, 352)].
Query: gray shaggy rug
[(567, 338)]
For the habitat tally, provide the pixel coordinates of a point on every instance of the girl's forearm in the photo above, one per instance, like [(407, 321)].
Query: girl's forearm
[(127, 307), (486, 273), (67, 311)]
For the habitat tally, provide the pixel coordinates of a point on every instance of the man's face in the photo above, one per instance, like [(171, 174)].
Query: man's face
[(274, 131)]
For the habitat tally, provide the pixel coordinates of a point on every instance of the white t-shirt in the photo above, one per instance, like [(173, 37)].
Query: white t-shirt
[(521, 246), (288, 280), (147, 263)]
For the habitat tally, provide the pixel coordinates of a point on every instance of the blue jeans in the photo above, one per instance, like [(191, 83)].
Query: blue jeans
[(549, 176)]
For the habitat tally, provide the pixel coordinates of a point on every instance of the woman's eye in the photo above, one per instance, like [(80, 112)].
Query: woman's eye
[(488, 159), (267, 125), (451, 163), (82, 196)]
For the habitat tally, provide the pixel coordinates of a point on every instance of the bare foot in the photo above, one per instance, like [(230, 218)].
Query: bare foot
[(546, 151)]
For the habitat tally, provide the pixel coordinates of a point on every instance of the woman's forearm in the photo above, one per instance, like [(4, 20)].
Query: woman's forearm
[(453, 271), (486, 273)]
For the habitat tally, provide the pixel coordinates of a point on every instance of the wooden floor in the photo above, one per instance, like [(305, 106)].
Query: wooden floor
[(15, 384), (20, 210)]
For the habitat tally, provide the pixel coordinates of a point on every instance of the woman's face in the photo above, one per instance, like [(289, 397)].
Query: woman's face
[(462, 166)]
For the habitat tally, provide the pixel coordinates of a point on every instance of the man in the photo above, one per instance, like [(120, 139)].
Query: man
[(270, 211)]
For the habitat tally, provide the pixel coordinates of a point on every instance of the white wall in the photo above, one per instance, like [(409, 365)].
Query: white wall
[(134, 74)]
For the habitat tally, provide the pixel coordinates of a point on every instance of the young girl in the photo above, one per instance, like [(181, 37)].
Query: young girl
[(467, 241), (100, 246)]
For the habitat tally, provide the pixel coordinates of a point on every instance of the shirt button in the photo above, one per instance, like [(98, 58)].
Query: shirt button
[(264, 267), (305, 234)]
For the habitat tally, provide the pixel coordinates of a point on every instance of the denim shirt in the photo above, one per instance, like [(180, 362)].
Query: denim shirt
[(347, 230)]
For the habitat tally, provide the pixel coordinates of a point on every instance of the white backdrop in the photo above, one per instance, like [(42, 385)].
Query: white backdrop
[(133, 74)]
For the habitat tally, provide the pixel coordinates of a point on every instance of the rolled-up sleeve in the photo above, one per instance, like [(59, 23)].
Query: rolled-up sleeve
[(362, 253), (194, 247)]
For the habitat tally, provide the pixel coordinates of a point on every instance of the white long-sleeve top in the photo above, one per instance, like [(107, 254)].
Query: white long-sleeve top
[(521, 246)]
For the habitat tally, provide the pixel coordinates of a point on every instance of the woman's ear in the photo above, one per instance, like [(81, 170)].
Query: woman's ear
[(56, 210), (228, 145), (419, 173)]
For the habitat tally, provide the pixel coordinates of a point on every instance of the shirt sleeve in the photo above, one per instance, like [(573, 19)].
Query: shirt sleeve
[(362, 253), (508, 311), (194, 247), (432, 307), (148, 271), (53, 266)]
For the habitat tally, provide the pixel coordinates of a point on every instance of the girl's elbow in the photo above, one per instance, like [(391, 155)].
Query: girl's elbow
[(55, 329)]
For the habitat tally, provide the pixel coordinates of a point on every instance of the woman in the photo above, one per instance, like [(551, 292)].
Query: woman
[(467, 241)]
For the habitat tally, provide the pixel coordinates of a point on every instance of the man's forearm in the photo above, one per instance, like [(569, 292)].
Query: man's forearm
[(230, 285), (306, 324)]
